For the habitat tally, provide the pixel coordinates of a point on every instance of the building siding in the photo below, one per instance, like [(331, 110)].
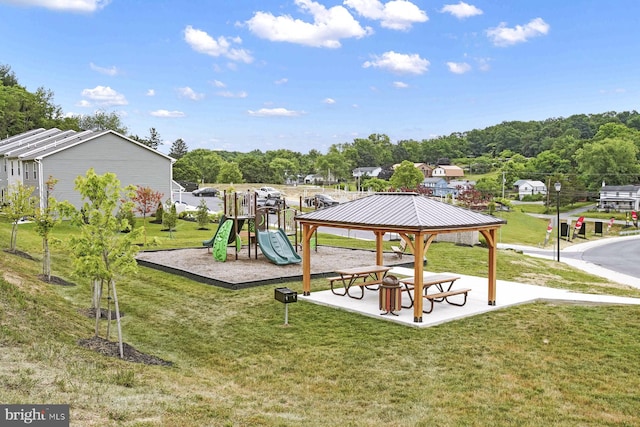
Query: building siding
[(132, 164)]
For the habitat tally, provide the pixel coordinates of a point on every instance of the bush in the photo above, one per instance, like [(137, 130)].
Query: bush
[(129, 217), (159, 214)]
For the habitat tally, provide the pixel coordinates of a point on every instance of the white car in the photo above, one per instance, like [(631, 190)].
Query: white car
[(268, 193)]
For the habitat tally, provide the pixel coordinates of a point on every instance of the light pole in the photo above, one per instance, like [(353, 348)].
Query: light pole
[(558, 187)]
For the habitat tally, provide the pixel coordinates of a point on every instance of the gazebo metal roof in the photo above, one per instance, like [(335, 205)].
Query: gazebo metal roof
[(417, 219), (406, 211)]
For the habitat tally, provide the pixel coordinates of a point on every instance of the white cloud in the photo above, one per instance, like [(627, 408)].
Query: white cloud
[(504, 36), (228, 94), (84, 103), (151, 92), (104, 95), (218, 83), (329, 101), (399, 63), (166, 113), (274, 112), (329, 26), (63, 5), (187, 92), (202, 42), (484, 64), (400, 85), (395, 14), (111, 71), (281, 81), (458, 67), (461, 10)]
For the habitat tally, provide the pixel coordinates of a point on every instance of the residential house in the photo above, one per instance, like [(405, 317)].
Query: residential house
[(32, 157), (527, 187), (437, 185), (620, 197), (455, 187), (447, 172), (426, 170), (371, 172)]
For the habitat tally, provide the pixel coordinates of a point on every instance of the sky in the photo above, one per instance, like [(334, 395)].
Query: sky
[(242, 75)]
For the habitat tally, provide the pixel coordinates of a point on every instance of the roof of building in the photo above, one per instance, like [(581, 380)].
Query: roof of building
[(400, 211), (40, 143), (629, 187)]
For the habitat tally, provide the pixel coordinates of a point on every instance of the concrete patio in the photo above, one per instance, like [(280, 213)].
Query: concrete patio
[(508, 294)]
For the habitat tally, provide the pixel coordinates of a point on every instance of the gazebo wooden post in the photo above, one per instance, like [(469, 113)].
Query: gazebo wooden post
[(418, 272), (490, 237), (307, 232), (379, 251)]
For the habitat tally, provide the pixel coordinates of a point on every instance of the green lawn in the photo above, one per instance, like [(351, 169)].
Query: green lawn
[(235, 364)]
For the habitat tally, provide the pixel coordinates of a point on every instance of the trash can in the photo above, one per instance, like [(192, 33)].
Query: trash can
[(390, 295)]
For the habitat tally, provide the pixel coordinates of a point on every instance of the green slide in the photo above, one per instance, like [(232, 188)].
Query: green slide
[(221, 240), (233, 237), (277, 247)]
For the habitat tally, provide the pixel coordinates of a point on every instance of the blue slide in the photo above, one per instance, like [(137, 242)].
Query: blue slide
[(275, 245)]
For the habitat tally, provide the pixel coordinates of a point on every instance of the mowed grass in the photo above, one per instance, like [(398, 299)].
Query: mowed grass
[(236, 364)]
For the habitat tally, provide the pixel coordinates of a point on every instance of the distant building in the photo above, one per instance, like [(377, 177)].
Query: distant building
[(527, 187), (32, 157), (448, 172), (372, 172), (620, 197)]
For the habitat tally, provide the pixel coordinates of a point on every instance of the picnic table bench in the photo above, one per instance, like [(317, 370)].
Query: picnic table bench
[(371, 275), (439, 281)]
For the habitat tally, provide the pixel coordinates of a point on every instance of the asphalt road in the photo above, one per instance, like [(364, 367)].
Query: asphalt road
[(622, 256)]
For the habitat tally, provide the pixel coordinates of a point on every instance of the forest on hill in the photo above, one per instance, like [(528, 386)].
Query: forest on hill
[(582, 151)]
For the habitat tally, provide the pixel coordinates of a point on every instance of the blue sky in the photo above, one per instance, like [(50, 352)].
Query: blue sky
[(302, 74)]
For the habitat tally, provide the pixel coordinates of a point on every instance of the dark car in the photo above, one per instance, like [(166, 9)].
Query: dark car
[(321, 201), (205, 192), (188, 185)]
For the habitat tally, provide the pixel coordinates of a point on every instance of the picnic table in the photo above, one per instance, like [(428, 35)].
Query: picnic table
[(443, 282), (370, 275)]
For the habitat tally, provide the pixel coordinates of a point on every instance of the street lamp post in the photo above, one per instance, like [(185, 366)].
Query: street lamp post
[(558, 187)]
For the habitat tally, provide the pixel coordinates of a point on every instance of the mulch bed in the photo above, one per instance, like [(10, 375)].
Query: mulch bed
[(20, 254), (110, 349), (54, 280)]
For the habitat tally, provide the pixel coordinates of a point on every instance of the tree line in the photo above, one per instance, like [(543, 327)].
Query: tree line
[(582, 150)]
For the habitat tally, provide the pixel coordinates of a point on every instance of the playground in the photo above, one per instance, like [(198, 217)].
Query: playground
[(256, 244)]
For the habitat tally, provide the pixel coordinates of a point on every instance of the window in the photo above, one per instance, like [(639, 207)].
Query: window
[(11, 167), (35, 173), (26, 172), (19, 167)]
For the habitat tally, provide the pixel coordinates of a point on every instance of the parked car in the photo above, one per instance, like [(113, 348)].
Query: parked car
[(184, 207), (322, 200), (268, 193), (206, 192), (272, 205), (188, 185)]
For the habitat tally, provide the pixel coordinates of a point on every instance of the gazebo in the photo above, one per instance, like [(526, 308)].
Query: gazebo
[(416, 219)]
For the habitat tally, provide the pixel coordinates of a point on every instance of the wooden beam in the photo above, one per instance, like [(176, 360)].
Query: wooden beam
[(418, 272), (379, 248), (307, 233), (490, 237)]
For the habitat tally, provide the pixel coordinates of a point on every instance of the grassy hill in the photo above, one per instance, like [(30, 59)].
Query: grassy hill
[(235, 364)]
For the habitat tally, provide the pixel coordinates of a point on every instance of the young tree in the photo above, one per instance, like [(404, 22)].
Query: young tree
[(202, 215), (46, 219), (21, 204), (101, 253), (170, 217), (146, 200)]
